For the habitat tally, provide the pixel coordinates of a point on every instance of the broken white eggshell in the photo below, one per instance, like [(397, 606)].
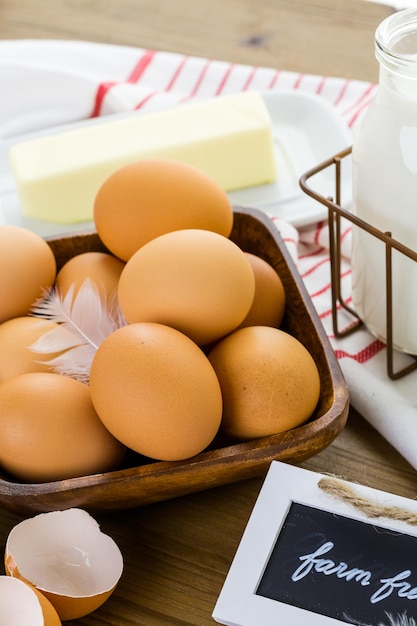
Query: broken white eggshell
[(67, 558), (22, 605)]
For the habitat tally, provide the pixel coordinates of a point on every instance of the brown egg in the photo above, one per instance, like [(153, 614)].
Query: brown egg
[(268, 305), (196, 281), (49, 429), (269, 381), (16, 337), (27, 267), (145, 199), (101, 268), (156, 391)]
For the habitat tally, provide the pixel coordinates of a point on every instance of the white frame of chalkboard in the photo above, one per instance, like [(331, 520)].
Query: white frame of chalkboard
[(238, 604)]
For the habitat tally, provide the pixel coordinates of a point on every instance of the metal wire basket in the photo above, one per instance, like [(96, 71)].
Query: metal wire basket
[(335, 213)]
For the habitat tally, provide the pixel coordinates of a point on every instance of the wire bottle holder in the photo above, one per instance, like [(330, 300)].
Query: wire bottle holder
[(335, 213)]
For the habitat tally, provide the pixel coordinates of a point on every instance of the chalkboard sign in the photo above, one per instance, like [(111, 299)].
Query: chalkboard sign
[(308, 557)]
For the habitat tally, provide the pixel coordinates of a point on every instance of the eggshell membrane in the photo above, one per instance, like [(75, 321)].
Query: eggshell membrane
[(27, 268), (145, 199), (22, 605), (67, 558), (156, 391), (196, 281), (269, 381), (16, 338), (49, 430), (101, 268), (268, 304)]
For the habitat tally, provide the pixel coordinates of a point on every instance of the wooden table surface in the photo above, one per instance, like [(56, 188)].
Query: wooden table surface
[(177, 553)]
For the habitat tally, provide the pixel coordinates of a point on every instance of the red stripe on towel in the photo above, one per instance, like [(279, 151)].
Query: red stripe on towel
[(312, 253), (176, 74), (363, 355), (369, 87), (358, 112), (315, 266), (319, 230), (274, 80), (199, 81), (298, 81), (168, 87), (342, 93), (134, 76), (101, 92), (329, 311), (361, 103), (321, 85), (249, 79), (141, 66), (321, 291), (224, 79), (146, 99), (290, 240)]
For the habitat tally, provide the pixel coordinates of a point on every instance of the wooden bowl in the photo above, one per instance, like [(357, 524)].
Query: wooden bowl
[(141, 481)]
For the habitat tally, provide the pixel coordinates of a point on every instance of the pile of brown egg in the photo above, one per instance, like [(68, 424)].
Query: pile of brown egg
[(199, 349)]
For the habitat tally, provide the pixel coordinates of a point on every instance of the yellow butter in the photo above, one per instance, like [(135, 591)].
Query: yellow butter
[(228, 137)]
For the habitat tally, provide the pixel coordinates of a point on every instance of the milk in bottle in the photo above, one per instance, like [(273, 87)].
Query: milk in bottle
[(384, 158)]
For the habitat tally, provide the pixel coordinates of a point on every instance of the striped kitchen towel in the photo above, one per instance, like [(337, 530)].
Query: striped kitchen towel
[(48, 83)]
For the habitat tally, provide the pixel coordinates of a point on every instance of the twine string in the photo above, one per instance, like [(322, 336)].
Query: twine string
[(373, 510)]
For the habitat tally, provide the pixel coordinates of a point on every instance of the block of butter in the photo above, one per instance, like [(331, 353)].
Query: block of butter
[(228, 137)]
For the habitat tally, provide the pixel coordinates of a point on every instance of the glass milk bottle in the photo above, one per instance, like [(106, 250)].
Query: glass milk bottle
[(384, 160)]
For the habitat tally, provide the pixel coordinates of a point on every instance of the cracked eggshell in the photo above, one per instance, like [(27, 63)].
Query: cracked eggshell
[(65, 556), (22, 605)]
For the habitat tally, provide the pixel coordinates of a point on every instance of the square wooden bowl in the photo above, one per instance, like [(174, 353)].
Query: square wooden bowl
[(141, 481)]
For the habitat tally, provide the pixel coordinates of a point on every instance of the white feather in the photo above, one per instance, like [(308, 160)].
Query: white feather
[(83, 323)]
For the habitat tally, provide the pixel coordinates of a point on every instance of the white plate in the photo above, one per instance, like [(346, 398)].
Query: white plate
[(307, 130)]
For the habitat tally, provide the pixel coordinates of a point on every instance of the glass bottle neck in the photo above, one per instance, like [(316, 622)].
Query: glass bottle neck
[(396, 52)]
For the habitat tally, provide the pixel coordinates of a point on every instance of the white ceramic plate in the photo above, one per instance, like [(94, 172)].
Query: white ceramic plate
[(307, 130)]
